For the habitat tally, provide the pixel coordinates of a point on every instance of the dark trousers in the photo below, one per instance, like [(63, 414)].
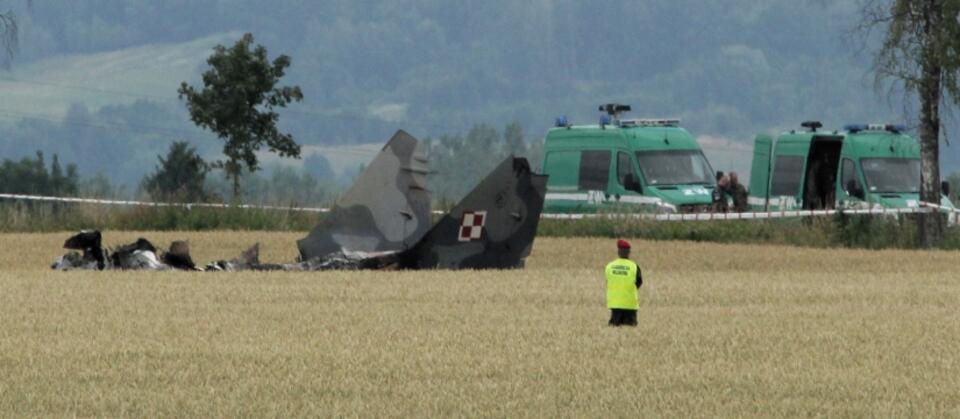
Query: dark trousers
[(622, 317)]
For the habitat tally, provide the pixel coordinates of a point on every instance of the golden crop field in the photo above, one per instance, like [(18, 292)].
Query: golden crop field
[(725, 330)]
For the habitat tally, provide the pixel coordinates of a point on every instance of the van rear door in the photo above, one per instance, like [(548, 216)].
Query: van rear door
[(579, 180), (823, 163), (760, 172)]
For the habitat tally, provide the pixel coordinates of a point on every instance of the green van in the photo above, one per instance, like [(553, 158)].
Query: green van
[(862, 166), (632, 165)]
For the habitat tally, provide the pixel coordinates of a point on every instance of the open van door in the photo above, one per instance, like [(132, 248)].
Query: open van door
[(823, 164), (760, 173)]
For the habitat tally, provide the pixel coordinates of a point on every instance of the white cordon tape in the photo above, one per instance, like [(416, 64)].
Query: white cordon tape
[(160, 204), (753, 215), (153, 204), (939, 207), (657, 217)]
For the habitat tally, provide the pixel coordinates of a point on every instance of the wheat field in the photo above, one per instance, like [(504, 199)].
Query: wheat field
[(725, 331)]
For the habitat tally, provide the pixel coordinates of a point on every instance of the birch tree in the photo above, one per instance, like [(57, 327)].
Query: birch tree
[(920, 52)]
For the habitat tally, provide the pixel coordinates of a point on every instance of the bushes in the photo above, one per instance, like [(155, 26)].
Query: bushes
[(875, 232), (179, 177), (862, 231), (21, 217)]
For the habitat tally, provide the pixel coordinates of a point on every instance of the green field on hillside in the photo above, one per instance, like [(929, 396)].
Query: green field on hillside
[(47, 88)]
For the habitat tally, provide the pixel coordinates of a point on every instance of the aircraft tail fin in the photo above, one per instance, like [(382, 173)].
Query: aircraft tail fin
[(493, 227), (386, 209)]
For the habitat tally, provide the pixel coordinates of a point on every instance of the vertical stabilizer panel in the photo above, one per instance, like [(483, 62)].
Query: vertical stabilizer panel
[(492, 228), (386, 209)]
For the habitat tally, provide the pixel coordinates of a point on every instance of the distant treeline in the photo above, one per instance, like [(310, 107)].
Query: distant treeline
[(31, 176), (458, 162), (179, 177)]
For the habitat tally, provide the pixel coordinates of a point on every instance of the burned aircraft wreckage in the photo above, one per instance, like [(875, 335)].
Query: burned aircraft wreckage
[(383, 221)]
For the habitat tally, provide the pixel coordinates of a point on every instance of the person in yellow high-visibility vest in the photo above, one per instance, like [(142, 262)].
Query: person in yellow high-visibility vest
[(623, 281)]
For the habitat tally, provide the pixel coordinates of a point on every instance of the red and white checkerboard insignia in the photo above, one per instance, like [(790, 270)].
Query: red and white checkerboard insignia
[(471, 225)]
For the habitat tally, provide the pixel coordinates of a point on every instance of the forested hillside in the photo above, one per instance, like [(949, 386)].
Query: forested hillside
[(729, 69)]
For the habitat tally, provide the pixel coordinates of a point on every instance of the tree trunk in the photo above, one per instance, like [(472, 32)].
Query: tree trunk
[(236, 186), (930, 229)]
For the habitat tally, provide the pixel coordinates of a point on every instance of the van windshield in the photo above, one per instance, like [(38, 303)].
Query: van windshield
[(892, 175), (674, 167)]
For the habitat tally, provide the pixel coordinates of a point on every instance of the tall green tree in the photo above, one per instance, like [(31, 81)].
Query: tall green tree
[(318, 167), (61, 183), (180, 176), (237, 103), (513, 139), (30, 176), (921, 53), (458, 162)]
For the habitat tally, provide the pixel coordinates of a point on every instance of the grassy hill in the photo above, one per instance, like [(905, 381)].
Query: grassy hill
[(49, 86)]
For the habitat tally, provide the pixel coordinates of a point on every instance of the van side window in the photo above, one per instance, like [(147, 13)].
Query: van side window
[(594, 170), (562, 166), (786, 175), (848, 178), (624, 168)]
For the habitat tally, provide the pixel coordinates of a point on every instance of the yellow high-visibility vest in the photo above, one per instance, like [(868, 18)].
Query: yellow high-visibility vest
[(622, 284)]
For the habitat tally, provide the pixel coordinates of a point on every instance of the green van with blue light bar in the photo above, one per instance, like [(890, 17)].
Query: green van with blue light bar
[(631, 165), (862, 166)]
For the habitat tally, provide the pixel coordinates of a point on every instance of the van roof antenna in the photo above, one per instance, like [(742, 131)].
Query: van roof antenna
[(614, 109), (811, 125)]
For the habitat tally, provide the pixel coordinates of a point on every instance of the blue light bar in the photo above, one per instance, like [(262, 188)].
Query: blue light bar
[(651, 122), (855, 128), (561, 121)]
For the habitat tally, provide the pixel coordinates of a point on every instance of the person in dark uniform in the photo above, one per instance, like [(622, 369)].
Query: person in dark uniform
[(623, 281), (738, 193), (827, 180), (719, 195), (820, 185)]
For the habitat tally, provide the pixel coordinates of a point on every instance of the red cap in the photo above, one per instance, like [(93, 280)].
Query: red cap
[(623, 244)]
